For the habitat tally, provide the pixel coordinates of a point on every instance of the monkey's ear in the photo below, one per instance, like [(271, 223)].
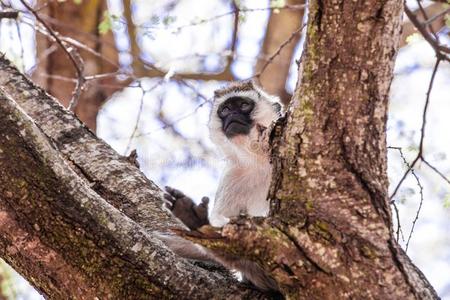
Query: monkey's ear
[(254, 83)]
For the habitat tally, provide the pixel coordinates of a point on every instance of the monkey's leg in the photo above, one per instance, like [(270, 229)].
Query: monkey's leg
[(182, 207)]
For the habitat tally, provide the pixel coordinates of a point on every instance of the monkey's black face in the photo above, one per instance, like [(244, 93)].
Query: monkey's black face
[(235, 115)]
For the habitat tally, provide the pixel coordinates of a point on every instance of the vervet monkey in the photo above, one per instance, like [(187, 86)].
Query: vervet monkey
[(238, 125)]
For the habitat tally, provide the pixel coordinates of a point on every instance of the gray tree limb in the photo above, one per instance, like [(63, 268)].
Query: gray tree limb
[(76, 219)]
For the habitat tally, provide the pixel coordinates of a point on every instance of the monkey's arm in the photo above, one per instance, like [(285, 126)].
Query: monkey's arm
[(192, 215), (195, 216)]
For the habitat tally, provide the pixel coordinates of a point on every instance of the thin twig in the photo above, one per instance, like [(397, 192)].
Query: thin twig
[(278, 51), (420, 203), (174, 121), (425, 16), (87, 78), (436, 170), (394, 204), (440, 50), (437, 16), (13, 14), (138, 118), (425, 110), (417, 212), (235, 35), (232, 12), (73, 42), (399, 227), (419, 155)]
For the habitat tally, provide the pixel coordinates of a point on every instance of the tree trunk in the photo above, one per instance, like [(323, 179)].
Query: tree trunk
[(331, 189), (329, 235)]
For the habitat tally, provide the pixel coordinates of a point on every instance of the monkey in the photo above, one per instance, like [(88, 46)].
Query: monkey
[(240, 120)]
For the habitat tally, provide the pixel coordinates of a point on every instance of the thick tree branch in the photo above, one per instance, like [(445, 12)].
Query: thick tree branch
[(132, 35), (109, 174), (83, 212)]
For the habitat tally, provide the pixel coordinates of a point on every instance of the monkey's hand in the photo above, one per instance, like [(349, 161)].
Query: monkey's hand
[(182, 207)]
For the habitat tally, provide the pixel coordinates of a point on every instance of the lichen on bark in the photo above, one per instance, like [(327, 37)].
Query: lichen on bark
[(73, 233), (329, 189)]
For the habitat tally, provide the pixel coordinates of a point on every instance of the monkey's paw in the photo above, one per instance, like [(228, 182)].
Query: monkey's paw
[(182, 207)]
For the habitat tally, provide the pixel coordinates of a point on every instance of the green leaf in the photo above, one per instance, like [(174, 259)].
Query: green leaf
[(167, 20), (447, 201), (277, 3), (77, 2), (106, 24), (447, 20), (242, 18), (413, 38)]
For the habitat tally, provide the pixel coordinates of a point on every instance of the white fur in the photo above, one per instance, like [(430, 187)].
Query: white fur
[(246, 178), (244, 185)]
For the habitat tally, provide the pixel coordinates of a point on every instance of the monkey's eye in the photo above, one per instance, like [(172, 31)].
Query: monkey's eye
[(245, 106), (224, 111)]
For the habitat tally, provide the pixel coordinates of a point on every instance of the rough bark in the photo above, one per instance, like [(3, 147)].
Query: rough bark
[(330, 182), (54, 71), (76, 219), (330, 231)]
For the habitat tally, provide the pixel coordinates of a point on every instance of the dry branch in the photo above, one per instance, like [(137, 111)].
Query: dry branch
[(9, 14), (433, 23)]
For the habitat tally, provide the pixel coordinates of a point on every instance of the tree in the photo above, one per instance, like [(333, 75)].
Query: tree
[(88, 216)]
